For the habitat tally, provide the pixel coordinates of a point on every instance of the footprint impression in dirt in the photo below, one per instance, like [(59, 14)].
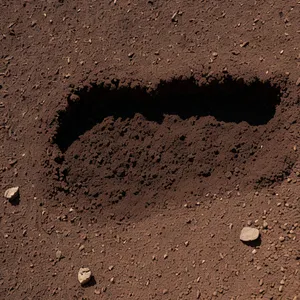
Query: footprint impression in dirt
[(137, 148)]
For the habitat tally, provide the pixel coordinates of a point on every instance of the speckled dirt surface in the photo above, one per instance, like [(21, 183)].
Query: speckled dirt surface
[(144, 135)]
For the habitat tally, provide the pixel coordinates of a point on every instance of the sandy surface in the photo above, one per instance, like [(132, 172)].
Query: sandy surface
[(144, 135)]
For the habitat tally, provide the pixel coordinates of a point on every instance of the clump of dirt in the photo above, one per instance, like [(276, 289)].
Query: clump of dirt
[(183, 139)]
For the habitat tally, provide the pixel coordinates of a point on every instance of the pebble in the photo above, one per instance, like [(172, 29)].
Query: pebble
[(249, 234), (12, 193), (165, 291), (261, 282), (265, 224), (228, 175), (281, 238), (58, 254), (84, 275)]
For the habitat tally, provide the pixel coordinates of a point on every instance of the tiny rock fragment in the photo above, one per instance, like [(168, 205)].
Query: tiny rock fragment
[(165, 291), (228, 175), (58, 254), (261, 282), (12, 162), (235, 52), (130, 55), (298, 82), (244, 44), (174, 17), (249, 234), (265, 224), (281, 238), (12, 193), (84, 275), (214, 54)]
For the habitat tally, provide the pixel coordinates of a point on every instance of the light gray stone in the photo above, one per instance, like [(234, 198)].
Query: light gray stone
[(84, 275), (249, 234), (12, 193)]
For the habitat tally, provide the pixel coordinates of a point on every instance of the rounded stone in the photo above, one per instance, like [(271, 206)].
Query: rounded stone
[(249, 234)]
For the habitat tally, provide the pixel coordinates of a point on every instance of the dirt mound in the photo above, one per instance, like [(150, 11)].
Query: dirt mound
[(185, 138)]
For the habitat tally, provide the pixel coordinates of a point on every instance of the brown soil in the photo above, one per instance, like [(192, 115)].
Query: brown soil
[(144, 136)]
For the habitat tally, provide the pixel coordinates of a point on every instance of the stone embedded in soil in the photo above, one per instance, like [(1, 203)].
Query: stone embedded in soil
[(265, 224), (12, 193), (249, 234), (84, 275), (58, 254), (228, 175), (97, 292)]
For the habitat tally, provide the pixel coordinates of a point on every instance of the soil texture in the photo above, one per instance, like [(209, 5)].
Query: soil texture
[(143, 137)]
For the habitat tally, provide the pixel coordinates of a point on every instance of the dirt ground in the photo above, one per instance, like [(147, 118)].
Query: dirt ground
[(144, 135)]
